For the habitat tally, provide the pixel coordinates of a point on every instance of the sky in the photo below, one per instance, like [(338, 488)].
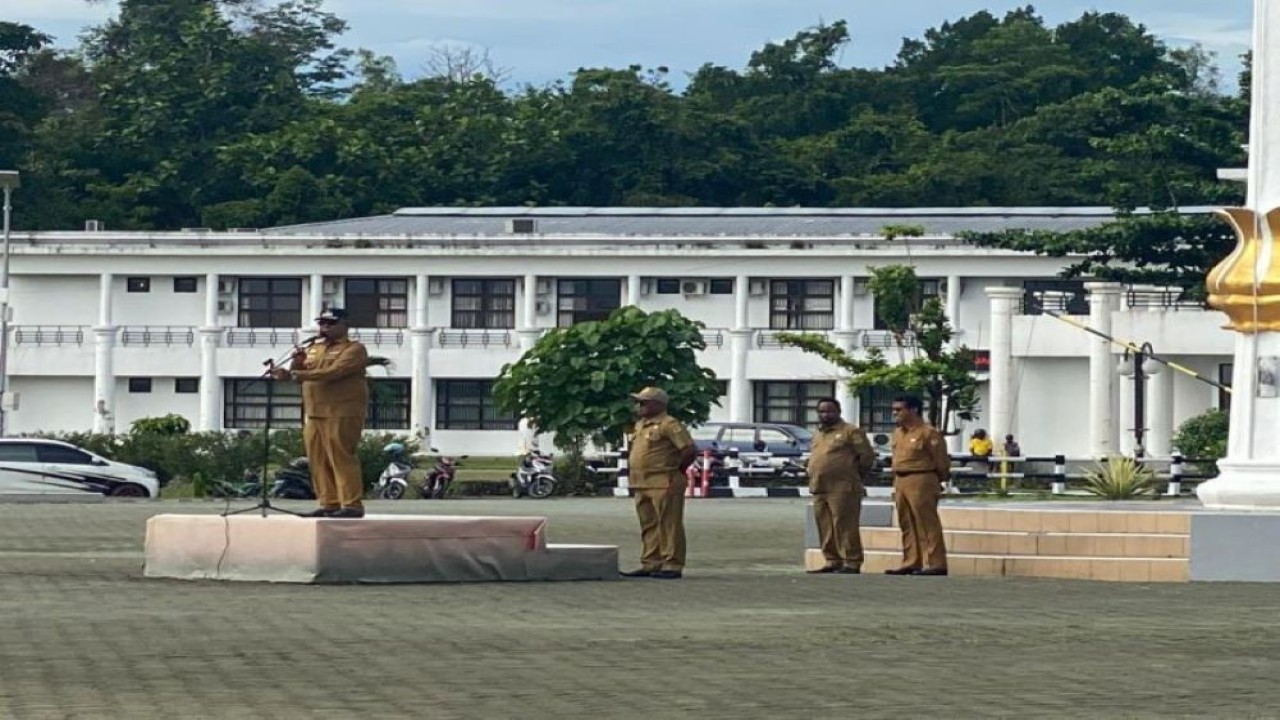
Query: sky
[(539, 41)]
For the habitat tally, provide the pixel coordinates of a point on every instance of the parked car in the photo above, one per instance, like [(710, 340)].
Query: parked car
[(31, 466), (779, 439)]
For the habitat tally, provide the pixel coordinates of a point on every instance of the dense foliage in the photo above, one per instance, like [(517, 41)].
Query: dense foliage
[(229, 113), (1203, 438)]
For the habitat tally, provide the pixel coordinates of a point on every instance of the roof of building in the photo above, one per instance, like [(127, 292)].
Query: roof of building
[(704, 221)]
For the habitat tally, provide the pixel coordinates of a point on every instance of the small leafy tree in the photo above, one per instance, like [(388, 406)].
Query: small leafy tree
[(1204, 437), (575, 381), (942, 375)]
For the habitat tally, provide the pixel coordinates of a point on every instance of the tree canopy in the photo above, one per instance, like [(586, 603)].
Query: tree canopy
[(226, 113)]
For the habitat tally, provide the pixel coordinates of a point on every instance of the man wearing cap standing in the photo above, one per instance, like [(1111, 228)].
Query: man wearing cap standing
[(335, 400), (839, 459), (661, 450)]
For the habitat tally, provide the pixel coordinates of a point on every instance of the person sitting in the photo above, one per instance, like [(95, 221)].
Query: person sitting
[(1011, 447), (980, 445)]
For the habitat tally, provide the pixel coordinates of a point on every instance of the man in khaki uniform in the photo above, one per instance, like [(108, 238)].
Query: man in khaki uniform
[(921, 465), (335, 398), (840, 457), (661, 450)]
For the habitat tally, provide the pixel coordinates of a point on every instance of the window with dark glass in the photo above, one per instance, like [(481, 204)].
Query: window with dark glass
[(63, 455), (469, 405), (802, 304), (185, 284), (667, 286), (930, 289), (721, 286), (138, 284), (875, 410), (586, 300), (140, 385), (388, 404), (377, 302), (794, 403), (484, 303), (270, 302), (186, 385), (1076, 301), (245, 406)]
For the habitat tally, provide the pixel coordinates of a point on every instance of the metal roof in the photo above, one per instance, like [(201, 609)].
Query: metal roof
[(703, 221)]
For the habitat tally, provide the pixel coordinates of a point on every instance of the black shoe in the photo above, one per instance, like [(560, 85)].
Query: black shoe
[(934, 572), (348, 512), (902, 571), (823, 570), (640, 572), (319, 513), (848, 570), (667, 575)]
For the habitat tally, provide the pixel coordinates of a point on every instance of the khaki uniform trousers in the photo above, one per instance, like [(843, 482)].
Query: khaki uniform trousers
[(839, 519), (915, 498), (661, 513), (331, 452)]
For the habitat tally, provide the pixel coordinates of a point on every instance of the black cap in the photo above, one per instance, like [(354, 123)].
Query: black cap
[(333, 314)]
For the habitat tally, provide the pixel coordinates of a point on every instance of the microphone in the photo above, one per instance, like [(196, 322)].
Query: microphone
[(310, 341)]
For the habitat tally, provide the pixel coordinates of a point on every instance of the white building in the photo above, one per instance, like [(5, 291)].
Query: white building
[(109, 327)]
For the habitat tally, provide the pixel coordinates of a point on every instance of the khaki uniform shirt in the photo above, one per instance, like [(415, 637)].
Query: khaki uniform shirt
[(333, 380), (920, 449), (840, 457), (657, 446)]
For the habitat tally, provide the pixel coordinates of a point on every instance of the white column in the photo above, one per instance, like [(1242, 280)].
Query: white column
[(844, 319), (633, 290), (955, 285), (529, 331), (741, 297), (315, 297), (1250, 474), (1004, 303), (740, 337), (1103, 297), (210, 417), (1126, 444), (1160, 412), (420, 396), (104, 380)]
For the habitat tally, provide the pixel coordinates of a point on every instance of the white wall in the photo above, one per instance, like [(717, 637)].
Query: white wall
[(160, 306), (162, 400), (52, 403), (54, 299), (1051, 406)]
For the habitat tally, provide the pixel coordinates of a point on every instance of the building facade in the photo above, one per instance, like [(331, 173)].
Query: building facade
[(109, 327)]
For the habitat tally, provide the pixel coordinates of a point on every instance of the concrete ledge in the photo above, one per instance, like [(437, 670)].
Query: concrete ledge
[(1046, 566), (373, 549), (1235, 547)]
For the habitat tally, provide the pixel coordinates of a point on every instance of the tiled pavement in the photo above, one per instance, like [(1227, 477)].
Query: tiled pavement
[(744, 635)]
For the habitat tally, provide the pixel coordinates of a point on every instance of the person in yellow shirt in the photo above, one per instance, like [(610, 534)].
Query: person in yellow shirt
[(335, 400), (840, 457), (980, 445), (661, 451)]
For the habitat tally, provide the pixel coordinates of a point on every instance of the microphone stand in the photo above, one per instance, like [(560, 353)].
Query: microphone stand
[(264, 500)]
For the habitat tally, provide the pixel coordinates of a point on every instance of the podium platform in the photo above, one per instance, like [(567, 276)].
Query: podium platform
[(372, 549)]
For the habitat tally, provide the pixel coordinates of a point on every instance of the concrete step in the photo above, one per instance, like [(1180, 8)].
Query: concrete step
[(1117, 569), (1082, 544), (1067, 520)]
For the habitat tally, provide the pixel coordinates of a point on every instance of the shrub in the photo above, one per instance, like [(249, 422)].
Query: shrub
[(1119, 478), (1204, 437)]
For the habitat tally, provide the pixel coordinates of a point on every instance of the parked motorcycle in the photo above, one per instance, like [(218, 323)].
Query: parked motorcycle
[(394, 480), (293, 481), (438, 481), (534, 476)]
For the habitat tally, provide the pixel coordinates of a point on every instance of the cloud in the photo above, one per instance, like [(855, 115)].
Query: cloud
[(38, 12), (1212, 31)]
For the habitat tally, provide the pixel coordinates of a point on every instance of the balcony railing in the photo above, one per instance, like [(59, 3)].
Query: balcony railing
[(1166, 298), (378, 336), (460, 337), (149, 335), (48, 335), (261, 337), (768, 339), (714, 338), (886, 339)]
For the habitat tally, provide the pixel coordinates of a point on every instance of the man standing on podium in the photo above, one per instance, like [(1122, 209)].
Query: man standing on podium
[(335, 401)]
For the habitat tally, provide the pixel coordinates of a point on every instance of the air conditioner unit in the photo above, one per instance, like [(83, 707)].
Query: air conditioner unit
[(522, 226), (758, 287), (544, 287), (226, 287), (94, 226), (330, 286), (693, 287), (435, 286), (226, 307), (646, 286), (543, 307)]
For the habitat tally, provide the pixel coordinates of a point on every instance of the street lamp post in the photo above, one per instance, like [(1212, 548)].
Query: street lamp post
[(9, 182), (1138, 364)]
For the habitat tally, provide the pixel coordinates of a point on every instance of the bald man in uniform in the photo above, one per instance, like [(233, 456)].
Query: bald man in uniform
[(661, 450), (921, 465), (335, 398), (839, 458)]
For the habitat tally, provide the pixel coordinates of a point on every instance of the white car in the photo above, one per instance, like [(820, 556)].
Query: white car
[(30, 466)]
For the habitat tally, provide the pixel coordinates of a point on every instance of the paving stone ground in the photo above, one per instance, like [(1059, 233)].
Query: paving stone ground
[(745, 635)]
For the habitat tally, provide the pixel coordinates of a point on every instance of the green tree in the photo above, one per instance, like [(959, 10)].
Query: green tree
[(942, 375), (575, 382)]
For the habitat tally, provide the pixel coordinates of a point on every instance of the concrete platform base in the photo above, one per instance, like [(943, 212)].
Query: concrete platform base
[(373, 549)]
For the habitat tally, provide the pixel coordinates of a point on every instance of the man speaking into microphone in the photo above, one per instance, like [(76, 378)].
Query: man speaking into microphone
[(335, 401)]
